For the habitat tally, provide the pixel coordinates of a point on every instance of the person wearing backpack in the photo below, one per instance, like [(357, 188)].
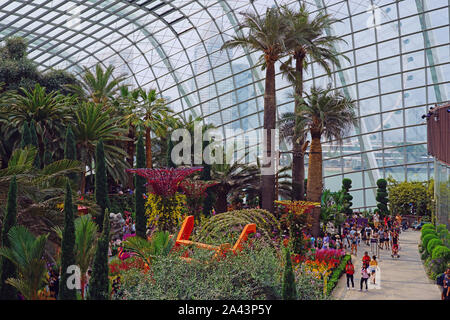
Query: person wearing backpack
[(446, 285), (349, 271), (440, 283)]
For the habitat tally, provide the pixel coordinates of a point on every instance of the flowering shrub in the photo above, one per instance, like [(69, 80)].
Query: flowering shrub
[(195, 192), (117, 267), (165, 212), (320, 264)]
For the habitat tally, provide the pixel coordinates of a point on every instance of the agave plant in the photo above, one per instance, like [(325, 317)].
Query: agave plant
[(26, 252)]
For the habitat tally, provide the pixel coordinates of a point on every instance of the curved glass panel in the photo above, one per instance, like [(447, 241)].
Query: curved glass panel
[(398, 51)]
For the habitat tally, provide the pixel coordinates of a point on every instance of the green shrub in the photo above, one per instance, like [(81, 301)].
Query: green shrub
[(432, 244), (424, 255), (428, 231), (428, 226), (441, 227), (255, 273), (443, 235), (427, 238), (231, 223), (441, 252)]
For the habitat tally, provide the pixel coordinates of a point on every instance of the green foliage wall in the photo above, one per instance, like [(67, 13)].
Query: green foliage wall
[(401, 194)]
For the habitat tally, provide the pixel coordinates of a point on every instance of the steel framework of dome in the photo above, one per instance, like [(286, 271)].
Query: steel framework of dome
[(399, 67)]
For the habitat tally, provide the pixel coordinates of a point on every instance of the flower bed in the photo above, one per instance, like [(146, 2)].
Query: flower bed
[(325, 265)]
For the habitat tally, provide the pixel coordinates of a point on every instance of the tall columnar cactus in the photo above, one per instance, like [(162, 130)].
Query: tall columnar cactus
[(382, 197), (289, 287), (99, 283), (346, 186), (101, 183), (67, 248), (140, 189), (70, 151), (47, 158), (8, 269)]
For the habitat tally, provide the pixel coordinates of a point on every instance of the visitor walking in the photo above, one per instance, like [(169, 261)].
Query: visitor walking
[(326, 241), (354, 244), (386, 239), (374, 241), (364, 277), (373, 267), (366, 258), (368, 232), (376, 220), (446, 288), (349, 271)]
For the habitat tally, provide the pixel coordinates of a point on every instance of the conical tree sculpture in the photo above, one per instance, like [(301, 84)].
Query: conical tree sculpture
[(67, 248), (140, 189), (35, 142), (99, 283), (26, 136), (289, 287), (382, 198), (346, 186), (8, 269), (70, 151), (101, 183)]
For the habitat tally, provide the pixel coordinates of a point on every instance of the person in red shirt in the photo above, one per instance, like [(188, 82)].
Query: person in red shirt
[(349, 271), (366, 258)]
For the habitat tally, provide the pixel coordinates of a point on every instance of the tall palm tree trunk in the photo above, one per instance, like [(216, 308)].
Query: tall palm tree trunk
[(314, 185), (298, 161), (148, 147), (268, 174), (131, 148), (83, 182)]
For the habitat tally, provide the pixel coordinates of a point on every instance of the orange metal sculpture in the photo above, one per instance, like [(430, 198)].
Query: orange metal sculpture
[(188, 226)]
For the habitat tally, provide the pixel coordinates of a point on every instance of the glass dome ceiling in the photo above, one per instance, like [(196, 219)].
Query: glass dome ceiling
[(399, 66)]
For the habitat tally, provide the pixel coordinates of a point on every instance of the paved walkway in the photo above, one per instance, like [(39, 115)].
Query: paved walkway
[(397, 279)]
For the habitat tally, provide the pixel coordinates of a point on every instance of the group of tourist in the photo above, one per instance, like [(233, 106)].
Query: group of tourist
[(381, 234), (368, 271)]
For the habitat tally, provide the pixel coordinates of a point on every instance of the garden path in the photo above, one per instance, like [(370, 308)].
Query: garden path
[(398, 279)]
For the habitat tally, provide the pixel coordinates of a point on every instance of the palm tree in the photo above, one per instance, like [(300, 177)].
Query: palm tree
[(50, 111), (151, 112), (99, 87), (92, 124), (327, 113), (332, 208), (231, 178), (305, 42), (26, 252), (266, 34)]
